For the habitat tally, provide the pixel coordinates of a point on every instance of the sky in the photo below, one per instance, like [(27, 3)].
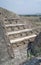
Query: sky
[(22, 6)]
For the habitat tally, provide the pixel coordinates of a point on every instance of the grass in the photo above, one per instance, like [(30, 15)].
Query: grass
[(35, 54)]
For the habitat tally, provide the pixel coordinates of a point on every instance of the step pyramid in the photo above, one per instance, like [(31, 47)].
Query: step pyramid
[(16, 34)]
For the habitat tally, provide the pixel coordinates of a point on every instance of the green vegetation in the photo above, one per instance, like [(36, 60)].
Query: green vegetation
[(30, 15), (36, 52)]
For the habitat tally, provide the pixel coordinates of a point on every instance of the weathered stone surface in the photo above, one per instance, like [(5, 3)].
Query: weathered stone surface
[(19, 49), (32, 61), (37, 44), (3, 49)]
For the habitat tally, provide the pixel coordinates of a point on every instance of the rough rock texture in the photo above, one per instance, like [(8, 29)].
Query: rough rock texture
[(37, 40), (20, 52), (20, 49), (35, 46), (3, 49), (32, 61)]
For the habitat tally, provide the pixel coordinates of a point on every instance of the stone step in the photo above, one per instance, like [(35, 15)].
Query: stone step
[(12, 25), (20, 31), (21, 39)]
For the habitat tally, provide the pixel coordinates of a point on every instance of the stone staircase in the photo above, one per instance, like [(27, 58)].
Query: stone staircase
[(17, 34)]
